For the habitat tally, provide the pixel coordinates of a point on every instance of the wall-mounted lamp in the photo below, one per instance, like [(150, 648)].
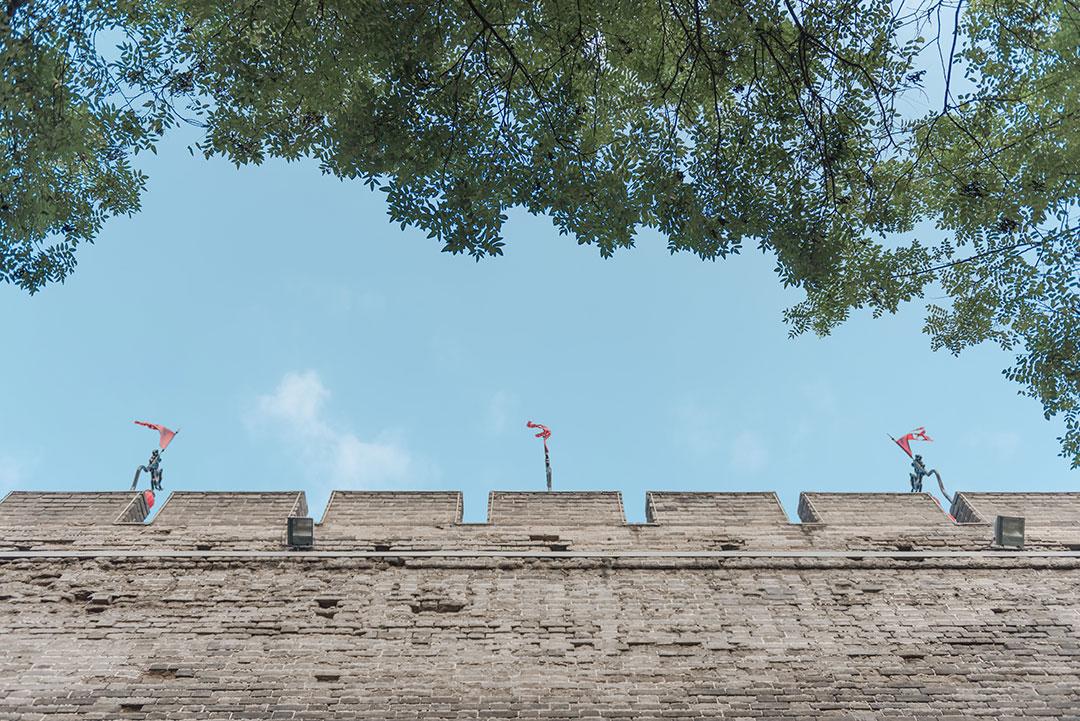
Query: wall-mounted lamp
[(1009, 531), (301, 532)]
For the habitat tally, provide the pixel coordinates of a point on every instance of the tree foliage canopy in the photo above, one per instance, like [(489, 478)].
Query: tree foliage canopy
[(804, 127)]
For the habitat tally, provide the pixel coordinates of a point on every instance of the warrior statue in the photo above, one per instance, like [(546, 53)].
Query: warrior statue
[(919, 472), (917, 465), (153, 467)]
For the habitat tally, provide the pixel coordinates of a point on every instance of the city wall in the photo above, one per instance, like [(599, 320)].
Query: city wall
[(874, 606)]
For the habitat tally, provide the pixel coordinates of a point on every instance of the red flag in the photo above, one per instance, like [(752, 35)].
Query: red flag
[(544, 433), (919, 434), (166, 434), (149, 496)]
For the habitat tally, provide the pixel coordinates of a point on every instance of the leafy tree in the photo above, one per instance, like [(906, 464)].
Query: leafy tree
[(771, 122), (70, 122)]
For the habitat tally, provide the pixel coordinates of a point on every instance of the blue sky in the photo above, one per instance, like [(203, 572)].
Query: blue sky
[(301, 341)]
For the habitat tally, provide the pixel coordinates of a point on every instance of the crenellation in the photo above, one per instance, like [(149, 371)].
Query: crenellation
[(381, 521), (229, 509), (62, 508), (1042, 510), (556, 508), (1046, 515), (883, 510), (725, 509), (347, 509)]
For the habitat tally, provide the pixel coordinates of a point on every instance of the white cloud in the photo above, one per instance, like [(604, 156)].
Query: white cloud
[(334, 455), (297, 401), (378, 462)]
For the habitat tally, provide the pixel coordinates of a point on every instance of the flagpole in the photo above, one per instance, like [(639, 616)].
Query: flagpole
[(544, 434), (547, 465)]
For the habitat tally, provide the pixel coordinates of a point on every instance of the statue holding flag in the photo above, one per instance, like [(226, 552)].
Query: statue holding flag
[(153, 466), (918, 467), (917, 476)]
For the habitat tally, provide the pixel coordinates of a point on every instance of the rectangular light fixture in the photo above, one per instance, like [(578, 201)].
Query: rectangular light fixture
[(1009, 531), (301, 532)]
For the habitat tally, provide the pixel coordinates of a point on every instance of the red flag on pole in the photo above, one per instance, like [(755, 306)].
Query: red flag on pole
[(166, 434), (544, 433), (919, 434)]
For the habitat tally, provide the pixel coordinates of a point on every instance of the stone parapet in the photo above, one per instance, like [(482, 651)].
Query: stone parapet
[(365, 509), (230, 509), (1042, 510), (880, 510), (60, 508), (561, 521), (1046, 515), (727, 510), (556, 508)]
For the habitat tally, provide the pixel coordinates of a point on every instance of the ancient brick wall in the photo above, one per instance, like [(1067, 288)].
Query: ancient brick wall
[(501, 621)]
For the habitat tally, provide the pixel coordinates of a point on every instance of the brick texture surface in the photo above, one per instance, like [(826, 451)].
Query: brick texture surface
[(1054, 513), (890, 510), (173, 632), (349, 509), (535, 522), (328, 639), (715, 509), (562, 508), (60, 509), (230, 509)]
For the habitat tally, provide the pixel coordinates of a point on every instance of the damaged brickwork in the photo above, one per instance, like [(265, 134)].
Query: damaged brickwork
[(875, 606)]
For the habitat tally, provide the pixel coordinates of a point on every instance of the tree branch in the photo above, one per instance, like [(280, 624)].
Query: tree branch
[(970, 259), (13, 7)]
